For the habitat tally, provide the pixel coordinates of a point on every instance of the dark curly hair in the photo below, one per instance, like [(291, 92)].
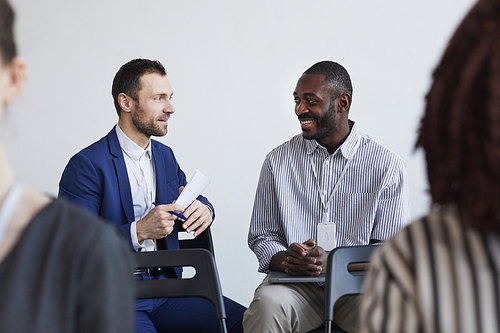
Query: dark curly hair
[(460, 131)]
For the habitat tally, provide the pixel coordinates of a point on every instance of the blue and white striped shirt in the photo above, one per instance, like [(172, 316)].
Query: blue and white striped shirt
[(371, 202)]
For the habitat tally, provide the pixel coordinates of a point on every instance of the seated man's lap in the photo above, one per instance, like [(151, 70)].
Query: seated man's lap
[(187, 315), (294, 307)]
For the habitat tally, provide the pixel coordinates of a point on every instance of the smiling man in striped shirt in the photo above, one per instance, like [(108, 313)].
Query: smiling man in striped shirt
[(333, 178)]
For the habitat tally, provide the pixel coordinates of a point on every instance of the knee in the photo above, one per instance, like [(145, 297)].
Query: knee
[(268, 310), (264, 315), (276, 303), (273, 299), (282, 308)]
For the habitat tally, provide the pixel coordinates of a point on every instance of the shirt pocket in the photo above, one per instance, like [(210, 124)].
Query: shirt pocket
[(354, 215)]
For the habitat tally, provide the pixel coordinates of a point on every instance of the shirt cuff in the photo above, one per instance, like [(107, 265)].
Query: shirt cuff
[(133, 235), (211, 212), (265, 252)]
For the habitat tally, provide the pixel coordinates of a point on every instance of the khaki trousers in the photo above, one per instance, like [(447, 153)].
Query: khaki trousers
[(295, 308)]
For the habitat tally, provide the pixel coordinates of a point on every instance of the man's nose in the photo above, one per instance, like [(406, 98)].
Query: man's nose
[(300, 108), (169, 107)]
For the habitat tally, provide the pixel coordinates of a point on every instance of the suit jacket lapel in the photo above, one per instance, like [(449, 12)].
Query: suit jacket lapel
[(122, 175), (160, 173), (171, 240)]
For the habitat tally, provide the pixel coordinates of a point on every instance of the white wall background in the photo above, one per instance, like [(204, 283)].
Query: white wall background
[(233, 66)]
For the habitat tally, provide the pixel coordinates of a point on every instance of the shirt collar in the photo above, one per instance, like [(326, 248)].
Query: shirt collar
[(129, 147), (346, 148)]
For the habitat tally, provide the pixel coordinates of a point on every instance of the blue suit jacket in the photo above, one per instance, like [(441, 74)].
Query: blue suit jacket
[(96, 179)]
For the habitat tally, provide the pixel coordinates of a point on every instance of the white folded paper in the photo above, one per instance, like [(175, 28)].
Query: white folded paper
[(193, 189)]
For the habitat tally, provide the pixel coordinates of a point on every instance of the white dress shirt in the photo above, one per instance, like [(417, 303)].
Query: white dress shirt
[(142, 179)]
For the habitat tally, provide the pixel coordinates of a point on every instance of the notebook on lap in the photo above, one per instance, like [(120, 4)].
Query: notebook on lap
[(282, 277)]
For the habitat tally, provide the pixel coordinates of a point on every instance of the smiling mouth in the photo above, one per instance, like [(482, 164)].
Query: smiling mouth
[(307, 124)]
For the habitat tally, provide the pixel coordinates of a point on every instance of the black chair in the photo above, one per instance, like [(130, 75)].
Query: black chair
[(203, 240), (188, 241), (205, 280), (204, 284), (344, 276)]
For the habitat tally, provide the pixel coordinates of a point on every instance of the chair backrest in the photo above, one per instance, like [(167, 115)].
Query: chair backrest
[(204, 284), (203, 240), (339, 281)]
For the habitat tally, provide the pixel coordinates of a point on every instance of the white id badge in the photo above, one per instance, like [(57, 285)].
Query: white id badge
[(326, 236)]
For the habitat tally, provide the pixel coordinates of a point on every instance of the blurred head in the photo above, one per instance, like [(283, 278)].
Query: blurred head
[(128, 78), (460, 131), (12, 68), (7, 45)]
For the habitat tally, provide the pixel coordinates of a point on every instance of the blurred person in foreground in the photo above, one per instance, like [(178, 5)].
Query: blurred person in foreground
[(441, 274), (53, 274)]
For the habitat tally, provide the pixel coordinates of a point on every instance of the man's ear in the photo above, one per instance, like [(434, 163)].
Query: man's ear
[(15, 79), (126, 102), (344, 102)]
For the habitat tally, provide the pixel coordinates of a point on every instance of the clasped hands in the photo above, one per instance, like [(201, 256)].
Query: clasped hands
[(159, 222), (305, 259)]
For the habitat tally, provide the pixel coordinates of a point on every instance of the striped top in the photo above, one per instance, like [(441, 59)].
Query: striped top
[(371, 200), (435, 276)]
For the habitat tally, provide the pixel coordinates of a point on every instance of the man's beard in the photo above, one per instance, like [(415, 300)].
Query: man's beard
[(147, 128), (324, 125)]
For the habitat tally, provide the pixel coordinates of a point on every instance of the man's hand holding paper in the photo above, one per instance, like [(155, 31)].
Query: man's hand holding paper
[(199, 216)]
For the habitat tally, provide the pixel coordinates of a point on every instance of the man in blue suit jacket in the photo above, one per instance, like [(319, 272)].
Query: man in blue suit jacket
[(123, 175)]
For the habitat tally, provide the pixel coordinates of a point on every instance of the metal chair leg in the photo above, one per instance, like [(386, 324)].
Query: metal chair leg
[(223, 327), (328, 326)]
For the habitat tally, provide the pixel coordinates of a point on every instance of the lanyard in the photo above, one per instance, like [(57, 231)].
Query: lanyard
[(9, 205), (339, 180)]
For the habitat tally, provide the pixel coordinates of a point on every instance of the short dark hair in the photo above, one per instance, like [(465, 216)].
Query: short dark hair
[(128, 78), (460, 130), (8, 49), (335, 75)]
